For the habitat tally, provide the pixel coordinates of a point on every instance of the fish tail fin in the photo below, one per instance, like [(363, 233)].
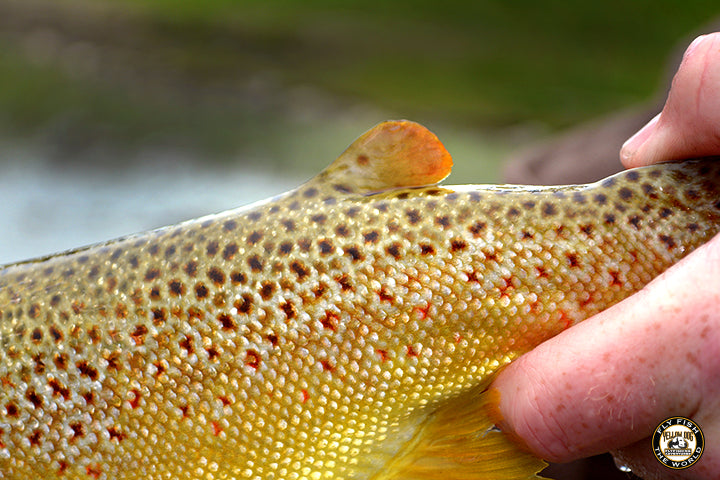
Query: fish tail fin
[(459, 441)]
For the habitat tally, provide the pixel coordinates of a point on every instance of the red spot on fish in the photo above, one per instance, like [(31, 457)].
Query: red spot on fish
[(326, 366), (225, 401), (216, 428), (93, 470), (507, 285), (423, 311), (541, 272), (383, 354), (252, 359), (306, 396), (615, 278), (384, 295), (135, 402), (473, 277), (63, 466), (330, 321), (411, 351), (457, 337)]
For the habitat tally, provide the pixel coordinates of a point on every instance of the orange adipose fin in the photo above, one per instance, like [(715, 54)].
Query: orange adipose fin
[(392, 154), (459, 442)]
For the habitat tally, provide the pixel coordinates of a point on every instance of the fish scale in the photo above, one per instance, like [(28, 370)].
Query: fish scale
[(344, 330)]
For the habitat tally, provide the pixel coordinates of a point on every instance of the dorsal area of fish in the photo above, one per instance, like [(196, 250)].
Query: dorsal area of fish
[(320, 334)]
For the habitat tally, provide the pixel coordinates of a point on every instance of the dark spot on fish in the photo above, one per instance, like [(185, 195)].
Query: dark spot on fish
[(381, 206), (59, 390), (600, 199), (212, 248), (528, 205), (625, 193), (153, 249), (289, 309), (78, 430), (201, 291), (216, 275), (352, 212), (191, 268), (155, 293), (256, 265), (354, 252), (319, 218), (394, 250), (244, 304), (152, 274), (237, 278), (310, 192), (56, 333), (342, 230), (36, 335), (413, 216), (227, 322), (587, 229), (632, 175), (526, 235), (121, 312), (477, 228), (12, 410), (286, 247), (254, 216), (665, 212), (176, 287), (457, 245), (344, 282), (513, 212), (304, 244), (329, 201), (55, 300), (325, 246), (35, 398), (289, 225), (116, 434), (442, 221), (230, 225), (87, 370), (692, 195), (609, 219), (615, 278), (549, 209), (60, 360), (427, 249), (402, 195), (230, 251), (608, 182), (266, 290), (362, 160), (693, 227), (371, 237), (300, 269), (667, 240), (635, 221), (113, 361)]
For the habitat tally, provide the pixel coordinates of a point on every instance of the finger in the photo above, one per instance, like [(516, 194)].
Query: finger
[(689, 125), (606, 383)]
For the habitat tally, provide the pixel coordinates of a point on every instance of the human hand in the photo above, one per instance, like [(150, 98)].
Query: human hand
[(605, 384)]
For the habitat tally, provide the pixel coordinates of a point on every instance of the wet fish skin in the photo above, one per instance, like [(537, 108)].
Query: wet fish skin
[(343, 330)]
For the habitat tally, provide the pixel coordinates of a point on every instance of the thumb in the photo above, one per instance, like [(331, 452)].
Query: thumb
[(607, 382), (689, 125)]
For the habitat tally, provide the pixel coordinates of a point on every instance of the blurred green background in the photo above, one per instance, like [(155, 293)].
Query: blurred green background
[(293, 81)]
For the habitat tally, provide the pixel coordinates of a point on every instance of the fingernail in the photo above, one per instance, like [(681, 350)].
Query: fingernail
[(633, 144)]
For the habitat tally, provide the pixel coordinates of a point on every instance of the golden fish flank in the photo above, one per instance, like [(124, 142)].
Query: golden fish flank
[(343, 330)]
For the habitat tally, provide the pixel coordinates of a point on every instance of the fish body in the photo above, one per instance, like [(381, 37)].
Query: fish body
[(343, 330)]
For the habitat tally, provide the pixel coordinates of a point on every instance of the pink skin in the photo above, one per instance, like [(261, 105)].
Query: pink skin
[(605, 384)]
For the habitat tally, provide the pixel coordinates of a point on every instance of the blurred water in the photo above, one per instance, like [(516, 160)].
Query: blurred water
[(45, 208)]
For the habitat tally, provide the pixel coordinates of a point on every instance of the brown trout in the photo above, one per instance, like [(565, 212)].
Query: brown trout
[(344, 330)]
